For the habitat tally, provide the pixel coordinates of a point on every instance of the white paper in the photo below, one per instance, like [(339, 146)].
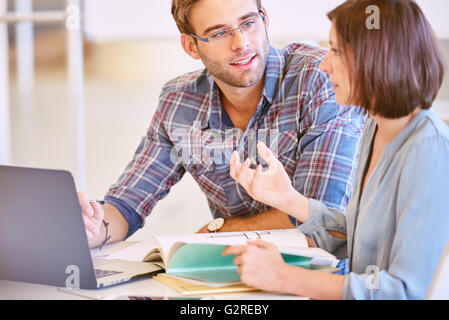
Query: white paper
[(135, 252)]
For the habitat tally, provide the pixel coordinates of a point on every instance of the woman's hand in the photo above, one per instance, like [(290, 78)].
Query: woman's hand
[(272, 187), (260, 265)]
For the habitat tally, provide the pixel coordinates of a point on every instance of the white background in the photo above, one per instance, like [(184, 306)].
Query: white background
[(114, 20)]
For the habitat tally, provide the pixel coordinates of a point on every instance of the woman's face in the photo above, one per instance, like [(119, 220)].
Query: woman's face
[(334, 64)]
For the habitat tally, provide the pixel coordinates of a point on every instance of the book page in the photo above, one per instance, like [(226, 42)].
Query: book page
[(318, 255), (135, 252), (289, 238), (284, 239)]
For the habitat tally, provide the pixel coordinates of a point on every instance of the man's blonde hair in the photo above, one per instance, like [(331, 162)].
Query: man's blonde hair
[(180, 10)]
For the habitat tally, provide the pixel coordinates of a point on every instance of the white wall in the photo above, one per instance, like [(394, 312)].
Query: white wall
[(5, 156), (115, 20)]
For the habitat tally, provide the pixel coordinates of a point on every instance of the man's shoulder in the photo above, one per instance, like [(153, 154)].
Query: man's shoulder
[(300, 56), (195, 82), (301, 72), (183, 99)]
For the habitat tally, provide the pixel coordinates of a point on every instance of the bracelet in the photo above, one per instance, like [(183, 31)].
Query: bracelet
[(106, 238)]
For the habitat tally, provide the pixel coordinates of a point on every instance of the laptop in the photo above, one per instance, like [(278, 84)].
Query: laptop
[(43, 238)]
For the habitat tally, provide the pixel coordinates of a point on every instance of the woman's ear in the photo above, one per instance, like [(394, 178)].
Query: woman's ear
[(189, 46)]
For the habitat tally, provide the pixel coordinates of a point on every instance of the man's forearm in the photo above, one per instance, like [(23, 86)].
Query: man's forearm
[(270, 220)]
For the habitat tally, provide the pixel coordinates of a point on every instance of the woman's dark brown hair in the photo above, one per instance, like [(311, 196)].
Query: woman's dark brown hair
[(395, 68)]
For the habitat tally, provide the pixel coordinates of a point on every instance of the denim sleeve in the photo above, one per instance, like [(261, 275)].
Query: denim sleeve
[(322, 219)]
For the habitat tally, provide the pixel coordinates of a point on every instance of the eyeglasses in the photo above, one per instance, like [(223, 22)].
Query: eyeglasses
[(223, 36)]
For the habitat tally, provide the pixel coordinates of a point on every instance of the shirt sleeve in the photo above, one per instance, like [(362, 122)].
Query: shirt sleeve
[(321, 219), (422, 229), (328, 146), (149, 176)]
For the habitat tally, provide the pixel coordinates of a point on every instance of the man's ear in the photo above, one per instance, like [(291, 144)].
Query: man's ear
[(189, 46), (265, 15)]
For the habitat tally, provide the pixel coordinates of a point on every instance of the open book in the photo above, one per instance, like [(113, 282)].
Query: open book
[(199, 256)]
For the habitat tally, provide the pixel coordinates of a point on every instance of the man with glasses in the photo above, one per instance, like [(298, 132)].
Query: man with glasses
[(248, 92)]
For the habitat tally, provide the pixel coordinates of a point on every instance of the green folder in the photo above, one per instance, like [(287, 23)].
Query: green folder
[(206, 262)]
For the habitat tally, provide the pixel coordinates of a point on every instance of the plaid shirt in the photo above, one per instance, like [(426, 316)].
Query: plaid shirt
[(315, 139)]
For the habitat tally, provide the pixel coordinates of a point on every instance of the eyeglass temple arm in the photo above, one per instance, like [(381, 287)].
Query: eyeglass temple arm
[(199, 38)]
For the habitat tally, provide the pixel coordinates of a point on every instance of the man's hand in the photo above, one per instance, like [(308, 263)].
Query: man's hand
[(93, 215)]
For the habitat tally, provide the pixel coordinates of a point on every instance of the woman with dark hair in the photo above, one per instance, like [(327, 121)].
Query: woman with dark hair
[(397, 222)]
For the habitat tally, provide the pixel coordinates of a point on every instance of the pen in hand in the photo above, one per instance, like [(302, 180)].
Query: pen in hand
[(102, 202)]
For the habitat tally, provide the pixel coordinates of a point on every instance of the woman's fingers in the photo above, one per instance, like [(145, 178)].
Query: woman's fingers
[(237, 249), (235, 164), (269, 157), (256, 182), (260, 244), (265, 153), (245, 174)]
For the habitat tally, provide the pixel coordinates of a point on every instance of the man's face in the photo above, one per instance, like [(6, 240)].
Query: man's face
[(240, 60)]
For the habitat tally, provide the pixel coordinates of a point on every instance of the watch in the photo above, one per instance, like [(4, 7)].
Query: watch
[(215, 225)]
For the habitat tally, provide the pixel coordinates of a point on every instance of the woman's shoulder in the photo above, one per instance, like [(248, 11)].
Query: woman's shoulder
[(430, 130), (421, 151), (425, 151)]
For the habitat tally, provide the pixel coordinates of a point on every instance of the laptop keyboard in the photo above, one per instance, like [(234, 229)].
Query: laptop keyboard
[(105, 273)]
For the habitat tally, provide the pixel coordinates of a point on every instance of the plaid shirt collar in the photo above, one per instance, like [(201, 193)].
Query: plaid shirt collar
[(273, 78)]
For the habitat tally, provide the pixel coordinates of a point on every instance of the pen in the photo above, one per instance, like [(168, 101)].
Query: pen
[(98, 201)]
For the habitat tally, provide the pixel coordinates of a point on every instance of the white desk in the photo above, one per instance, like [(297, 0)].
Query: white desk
[(12, 290)]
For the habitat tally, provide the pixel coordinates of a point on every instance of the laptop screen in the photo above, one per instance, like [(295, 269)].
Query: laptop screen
[(42, 234)]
